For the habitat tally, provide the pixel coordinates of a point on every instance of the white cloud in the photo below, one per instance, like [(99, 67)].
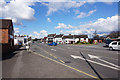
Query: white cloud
[(77, 31), (30, 35), (83, 14), (61, 31), (64, 26), (48, 19), (102, 25), (17, 10), (68, 0), (41, 34), (55, 6)]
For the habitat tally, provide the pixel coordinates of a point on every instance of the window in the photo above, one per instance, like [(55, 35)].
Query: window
[(114, 43), (118, 43)]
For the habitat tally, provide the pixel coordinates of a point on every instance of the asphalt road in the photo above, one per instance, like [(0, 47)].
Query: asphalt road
[(63, 61), (103, 61)]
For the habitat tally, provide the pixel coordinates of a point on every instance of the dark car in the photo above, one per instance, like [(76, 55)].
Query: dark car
[(107, 42)]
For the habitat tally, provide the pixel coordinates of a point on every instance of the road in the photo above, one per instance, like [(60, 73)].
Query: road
[(65, 61)]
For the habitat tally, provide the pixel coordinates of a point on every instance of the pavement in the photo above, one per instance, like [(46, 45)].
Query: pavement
[(63, 61)]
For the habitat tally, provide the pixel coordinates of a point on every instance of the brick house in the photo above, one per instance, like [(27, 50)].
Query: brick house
[(7, 35)]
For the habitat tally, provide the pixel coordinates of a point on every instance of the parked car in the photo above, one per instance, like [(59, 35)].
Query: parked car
[(115, 45), (52, 44), (107, 42)]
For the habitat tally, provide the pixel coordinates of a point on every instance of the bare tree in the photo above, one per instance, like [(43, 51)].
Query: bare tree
[(114, 34), (95, 35)]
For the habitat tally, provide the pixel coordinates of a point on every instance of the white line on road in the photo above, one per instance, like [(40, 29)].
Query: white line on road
[(75, 57), (96, 57), (53, 49), (68, 47), (67, 66)]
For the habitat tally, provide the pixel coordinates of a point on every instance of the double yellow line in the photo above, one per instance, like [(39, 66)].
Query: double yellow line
[(65, 64), (52, 55)]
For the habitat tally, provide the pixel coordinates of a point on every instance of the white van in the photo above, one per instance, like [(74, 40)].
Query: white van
[(115, 45)]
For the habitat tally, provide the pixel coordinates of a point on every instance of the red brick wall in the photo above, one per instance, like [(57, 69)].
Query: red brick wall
[(4, 36)]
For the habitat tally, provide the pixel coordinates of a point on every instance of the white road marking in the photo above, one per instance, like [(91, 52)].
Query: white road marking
[(68, 47), (75, 57), (53, 49), (66, 65), (96, 57)]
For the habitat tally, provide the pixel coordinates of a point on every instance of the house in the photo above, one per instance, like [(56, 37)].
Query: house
[(6, 35), (70, 39), (44, 39), (20, 40), (50, 38), (58, 38), (81, 38)]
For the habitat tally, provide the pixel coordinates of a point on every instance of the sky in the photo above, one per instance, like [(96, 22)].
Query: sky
[(38, 19)]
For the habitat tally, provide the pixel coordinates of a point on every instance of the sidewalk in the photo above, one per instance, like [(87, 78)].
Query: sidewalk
[(28, 65)]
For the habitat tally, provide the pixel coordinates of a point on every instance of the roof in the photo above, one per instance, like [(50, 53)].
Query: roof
[(68, 36), (6, 23), (80, 36), (60, 35), (75, 36), (51, 35)]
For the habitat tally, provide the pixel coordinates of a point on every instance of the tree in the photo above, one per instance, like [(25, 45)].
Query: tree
[(35, 39), (114, 34), (95, 35), (29, 39)]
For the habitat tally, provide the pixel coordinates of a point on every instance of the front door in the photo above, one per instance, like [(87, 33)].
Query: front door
[(114, 45)]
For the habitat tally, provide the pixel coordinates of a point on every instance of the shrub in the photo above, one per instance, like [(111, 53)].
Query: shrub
[(83, 42)]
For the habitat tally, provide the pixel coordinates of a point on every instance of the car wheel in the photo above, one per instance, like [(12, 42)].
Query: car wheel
[(111, 48)]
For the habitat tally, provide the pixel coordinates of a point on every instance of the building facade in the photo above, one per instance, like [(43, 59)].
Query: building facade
[(50, 38), (19, 40), (59, 39), (7, 35), (70, 39)]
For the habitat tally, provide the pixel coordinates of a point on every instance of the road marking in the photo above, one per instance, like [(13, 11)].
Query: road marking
[(96, 57), (53, 49), (52, 55), (66, 65), (75, 57), (68, 47)]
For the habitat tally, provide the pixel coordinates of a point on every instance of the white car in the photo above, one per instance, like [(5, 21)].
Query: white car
[(115, 45)]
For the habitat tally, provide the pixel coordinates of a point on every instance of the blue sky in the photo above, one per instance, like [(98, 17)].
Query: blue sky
[(38, 19)]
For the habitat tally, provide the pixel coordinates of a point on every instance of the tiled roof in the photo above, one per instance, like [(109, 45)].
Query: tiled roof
[(80, 36), (51, 35), (75, 36), (57, 36)]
